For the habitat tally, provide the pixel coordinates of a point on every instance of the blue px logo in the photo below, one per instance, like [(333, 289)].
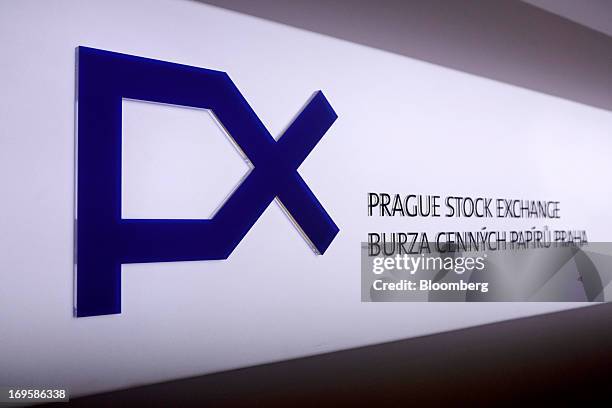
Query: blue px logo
[(105, 240)]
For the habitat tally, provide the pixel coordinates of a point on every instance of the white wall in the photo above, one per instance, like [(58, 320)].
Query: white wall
[(404, 126)]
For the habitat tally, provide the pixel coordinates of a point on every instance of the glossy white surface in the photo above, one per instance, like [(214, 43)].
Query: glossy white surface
[(404, 126)]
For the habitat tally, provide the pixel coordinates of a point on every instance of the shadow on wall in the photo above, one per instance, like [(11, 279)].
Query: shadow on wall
[(561, 358), (505, 40)]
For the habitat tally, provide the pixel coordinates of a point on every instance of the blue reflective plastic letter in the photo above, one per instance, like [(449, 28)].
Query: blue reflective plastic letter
[(105, 240)]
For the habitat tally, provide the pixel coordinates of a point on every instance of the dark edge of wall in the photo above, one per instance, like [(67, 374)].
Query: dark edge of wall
[(505, 40), (563, 356)]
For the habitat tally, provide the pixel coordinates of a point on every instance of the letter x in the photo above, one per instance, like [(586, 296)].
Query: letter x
[(105, 241)]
